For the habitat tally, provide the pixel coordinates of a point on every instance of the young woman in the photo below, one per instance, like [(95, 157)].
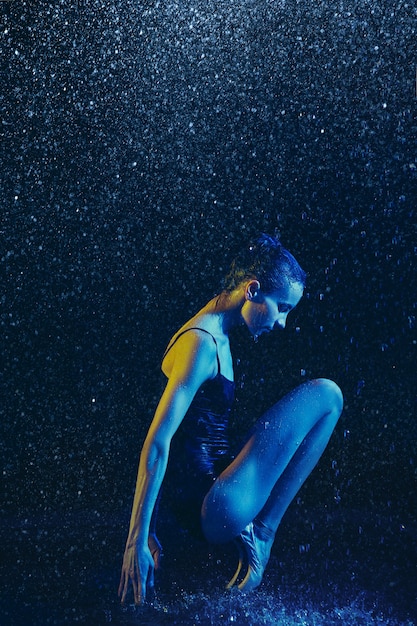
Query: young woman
[(242, 497)]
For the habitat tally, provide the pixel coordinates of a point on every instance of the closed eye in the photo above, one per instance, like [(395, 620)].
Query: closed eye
[(284, 308)]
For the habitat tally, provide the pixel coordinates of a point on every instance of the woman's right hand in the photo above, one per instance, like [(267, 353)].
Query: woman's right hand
[(138, 568)]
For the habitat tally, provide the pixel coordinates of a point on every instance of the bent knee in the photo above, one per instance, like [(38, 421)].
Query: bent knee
[(331, 393)]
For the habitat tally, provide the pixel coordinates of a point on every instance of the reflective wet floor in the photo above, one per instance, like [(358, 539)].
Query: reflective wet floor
[(65, 571)]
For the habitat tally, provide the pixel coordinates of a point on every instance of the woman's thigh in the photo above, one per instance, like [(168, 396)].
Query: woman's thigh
[(241, 491)]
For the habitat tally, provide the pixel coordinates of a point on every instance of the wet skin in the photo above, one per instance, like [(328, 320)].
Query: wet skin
[(281, 450)]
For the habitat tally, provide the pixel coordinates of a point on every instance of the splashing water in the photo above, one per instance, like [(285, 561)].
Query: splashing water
[(257, 609)]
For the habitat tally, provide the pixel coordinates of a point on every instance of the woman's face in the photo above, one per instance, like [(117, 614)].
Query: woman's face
[(261, 313)]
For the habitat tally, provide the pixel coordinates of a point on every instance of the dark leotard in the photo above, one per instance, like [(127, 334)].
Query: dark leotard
[(200, 449)]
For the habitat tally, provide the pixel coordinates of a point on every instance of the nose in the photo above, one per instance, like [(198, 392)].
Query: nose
[(281, 321)]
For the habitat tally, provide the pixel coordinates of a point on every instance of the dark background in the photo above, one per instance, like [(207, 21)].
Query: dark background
[(142, 144)]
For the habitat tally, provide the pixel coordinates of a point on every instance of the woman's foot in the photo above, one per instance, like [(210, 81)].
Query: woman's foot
[(239, 546), (254, 544)]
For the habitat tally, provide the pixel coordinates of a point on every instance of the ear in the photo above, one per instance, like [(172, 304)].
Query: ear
[(252, 290)]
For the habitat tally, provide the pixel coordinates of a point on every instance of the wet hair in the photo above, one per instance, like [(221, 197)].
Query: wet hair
[(266, 260)]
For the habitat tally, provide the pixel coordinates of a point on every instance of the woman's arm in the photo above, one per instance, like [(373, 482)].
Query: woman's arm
[(194, 362)]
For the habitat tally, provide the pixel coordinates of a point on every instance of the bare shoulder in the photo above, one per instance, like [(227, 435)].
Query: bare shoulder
[(190, 348)]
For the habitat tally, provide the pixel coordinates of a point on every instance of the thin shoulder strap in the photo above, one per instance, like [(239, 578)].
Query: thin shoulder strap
[(194, 328)]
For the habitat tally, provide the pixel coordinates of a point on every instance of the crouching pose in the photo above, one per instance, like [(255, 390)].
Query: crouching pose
[(241, 497)]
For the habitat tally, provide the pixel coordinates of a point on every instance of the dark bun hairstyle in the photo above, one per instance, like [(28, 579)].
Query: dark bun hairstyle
[(266, 260)]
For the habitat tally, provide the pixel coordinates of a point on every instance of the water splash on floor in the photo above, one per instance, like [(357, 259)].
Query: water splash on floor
[(260, 608)]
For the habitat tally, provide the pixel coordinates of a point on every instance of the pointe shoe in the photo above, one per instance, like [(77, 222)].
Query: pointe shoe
[(257, 551), (239, 565)]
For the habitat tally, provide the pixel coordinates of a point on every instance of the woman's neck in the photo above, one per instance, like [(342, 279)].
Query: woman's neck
[(228, 306)]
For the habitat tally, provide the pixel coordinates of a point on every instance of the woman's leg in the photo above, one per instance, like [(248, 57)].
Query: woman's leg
[(282, 449), (256, 540)]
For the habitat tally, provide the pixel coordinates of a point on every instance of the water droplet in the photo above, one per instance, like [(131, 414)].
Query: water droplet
[(359, 386)]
